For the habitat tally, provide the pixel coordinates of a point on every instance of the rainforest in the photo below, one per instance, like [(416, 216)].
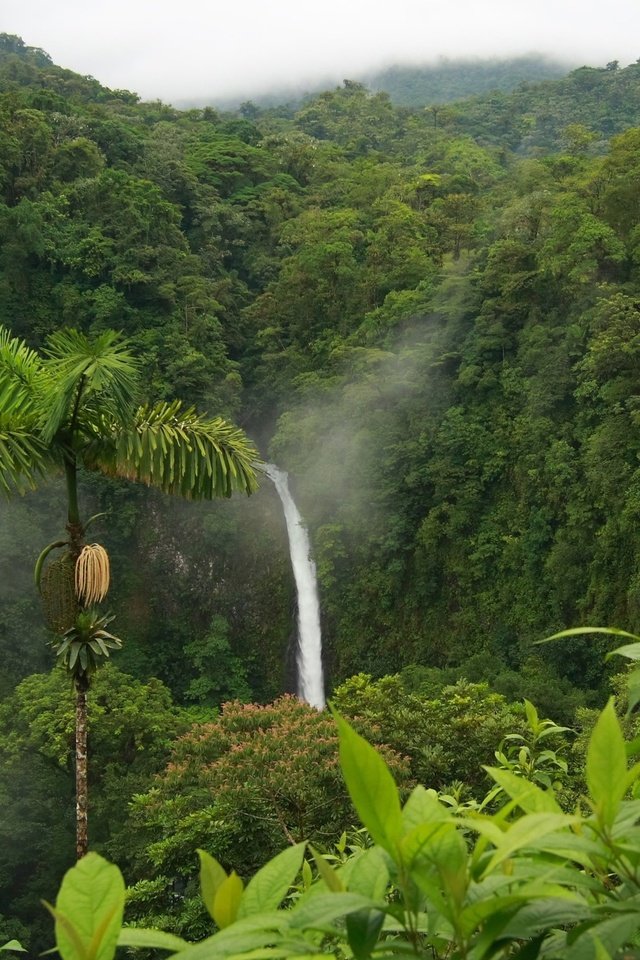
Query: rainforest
[(428, 313)]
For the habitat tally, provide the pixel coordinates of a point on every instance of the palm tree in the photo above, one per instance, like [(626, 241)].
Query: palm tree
[(74, 406)]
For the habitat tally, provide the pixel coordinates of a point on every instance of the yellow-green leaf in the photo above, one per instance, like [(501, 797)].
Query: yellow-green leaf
[(212, 876), (227, 900)]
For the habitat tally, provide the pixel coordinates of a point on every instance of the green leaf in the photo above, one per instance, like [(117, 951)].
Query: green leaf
[(527, 795), (99, 370), (270, 885), (630, 651), (319, 911), (13, 945), (371, 786), (369, 874), (212, 876), (437, 851), (307, 875), (89, 910), (327, 873), (179, 451), (541, 914), (633, 691), (363, 930), (526, 832), (607, 765), (251, 933), (531, 714), (151, 939), (423, 806), (602, 939), (582, 631), (227, 900)]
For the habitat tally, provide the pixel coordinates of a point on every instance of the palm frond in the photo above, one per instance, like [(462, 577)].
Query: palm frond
[(101, 370), (20, 375), (23, 457), (180, 452)]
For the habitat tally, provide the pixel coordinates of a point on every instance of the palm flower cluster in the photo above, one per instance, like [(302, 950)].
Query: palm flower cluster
[(92, 574)]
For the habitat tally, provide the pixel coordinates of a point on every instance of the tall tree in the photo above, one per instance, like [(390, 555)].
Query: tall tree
[(77, 406)]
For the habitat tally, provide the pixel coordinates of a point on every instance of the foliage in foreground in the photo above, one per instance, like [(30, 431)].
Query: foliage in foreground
[(527, 880)]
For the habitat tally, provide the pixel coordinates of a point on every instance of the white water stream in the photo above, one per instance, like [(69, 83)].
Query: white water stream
[(309, 657)]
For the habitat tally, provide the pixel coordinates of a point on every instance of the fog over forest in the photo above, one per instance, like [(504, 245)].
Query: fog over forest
[(193, 50)]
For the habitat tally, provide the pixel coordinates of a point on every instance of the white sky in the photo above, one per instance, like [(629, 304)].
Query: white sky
[(177, 50)]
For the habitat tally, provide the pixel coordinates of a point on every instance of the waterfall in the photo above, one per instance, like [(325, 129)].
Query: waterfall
[(309, 656)]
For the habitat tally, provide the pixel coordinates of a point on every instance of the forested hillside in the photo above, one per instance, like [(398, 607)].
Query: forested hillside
[(430, 316)]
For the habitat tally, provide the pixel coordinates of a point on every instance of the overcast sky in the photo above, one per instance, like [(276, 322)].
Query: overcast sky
[(176, 50)]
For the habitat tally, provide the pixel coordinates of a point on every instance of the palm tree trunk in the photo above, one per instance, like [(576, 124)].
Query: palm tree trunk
[(74, 525), (82, 790), (75, 530)]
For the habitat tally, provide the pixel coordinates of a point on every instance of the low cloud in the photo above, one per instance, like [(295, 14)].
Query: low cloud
[(195, 49)]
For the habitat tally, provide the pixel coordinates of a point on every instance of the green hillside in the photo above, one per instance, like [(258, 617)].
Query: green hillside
[(447, 80)]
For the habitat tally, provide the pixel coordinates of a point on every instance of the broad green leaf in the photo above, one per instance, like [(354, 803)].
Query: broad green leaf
[(574, 847), (488, 827), (475, 914), (370, 785), (525, 832), (363, 930), (268, 888), (151, 939), (423, 806), (424, 843), (607, 765), (601, 952), (13, 945), (227, 900), (541, 914), (628, 816), (603, 939), (288, 949), (630, 651), (212, 876), (251, 933), (530, 797), (437, 848), (89, 910), (491, 930), (369, 875), (318, 912)]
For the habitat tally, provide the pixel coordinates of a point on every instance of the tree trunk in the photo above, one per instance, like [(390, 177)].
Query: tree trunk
[(74, 526), (82, 790)]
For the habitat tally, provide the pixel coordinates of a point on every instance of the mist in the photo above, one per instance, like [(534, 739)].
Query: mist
[(194, 49), (339, 442)]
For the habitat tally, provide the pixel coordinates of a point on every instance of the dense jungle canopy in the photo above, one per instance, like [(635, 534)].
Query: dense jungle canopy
[(429, 315)]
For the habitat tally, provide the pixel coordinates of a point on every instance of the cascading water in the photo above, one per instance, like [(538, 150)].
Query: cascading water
[(309, 657)]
